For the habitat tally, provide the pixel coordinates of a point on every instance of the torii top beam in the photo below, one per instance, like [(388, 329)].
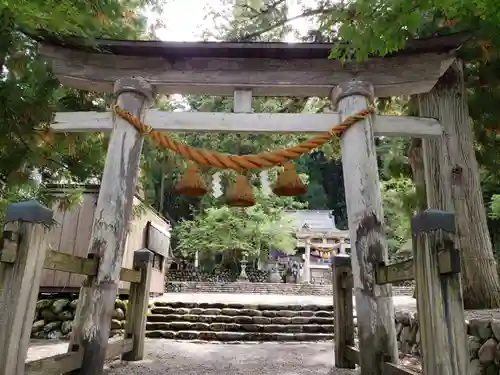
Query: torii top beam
[(268, 69)]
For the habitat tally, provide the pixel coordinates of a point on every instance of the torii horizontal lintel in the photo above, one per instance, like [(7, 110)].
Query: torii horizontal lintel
[(217, 122)]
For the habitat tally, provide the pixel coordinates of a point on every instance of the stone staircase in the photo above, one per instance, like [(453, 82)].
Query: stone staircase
[(261, 288), (239, 322)]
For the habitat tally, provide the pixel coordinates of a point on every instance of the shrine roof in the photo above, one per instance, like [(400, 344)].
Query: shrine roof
[(259, 50), (317, 221)]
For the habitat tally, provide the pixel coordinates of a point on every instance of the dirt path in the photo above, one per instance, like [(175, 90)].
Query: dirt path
[(166, 357)]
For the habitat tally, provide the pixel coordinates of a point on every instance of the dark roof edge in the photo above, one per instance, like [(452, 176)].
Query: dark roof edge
[(435, 44)]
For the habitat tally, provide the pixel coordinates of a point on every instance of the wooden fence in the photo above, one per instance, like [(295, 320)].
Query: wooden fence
[(24, 254), (435, 267)]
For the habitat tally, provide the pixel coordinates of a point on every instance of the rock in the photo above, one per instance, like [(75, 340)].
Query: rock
[(402, 317), (487, 351), (406, 334), (473, 344), (59, 304), (66, 327), (480, 328), (55, 335), (475, 367), (65, 315), (52, 326), (119, 304), (116, 324), (43, 304), (495, 327), (73, 304), (118, 314), (48, 315), (37, 326)]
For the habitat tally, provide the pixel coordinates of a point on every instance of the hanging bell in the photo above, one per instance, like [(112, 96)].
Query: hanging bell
[(241, 193), (288, 183), (191, 183)]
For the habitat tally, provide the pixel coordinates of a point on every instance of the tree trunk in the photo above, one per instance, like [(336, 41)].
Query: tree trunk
[(452, 184)]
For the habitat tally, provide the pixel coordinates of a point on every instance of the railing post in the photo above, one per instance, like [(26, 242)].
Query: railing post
[(138, 300), (343, 306), (22, 255), (439, 296)]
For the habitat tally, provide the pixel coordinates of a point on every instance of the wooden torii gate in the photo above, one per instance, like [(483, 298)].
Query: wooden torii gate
[(135, 70)]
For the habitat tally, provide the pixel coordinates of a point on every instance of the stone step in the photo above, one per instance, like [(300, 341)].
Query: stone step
[(261, 307), (240, 312), (240, 319), (240, 327), (238, 336)]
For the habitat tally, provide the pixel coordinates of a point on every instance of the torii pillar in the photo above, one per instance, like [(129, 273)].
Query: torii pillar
[(109, 231), (374, 306)]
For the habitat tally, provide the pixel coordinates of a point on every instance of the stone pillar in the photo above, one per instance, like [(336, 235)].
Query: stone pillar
[(375, 310)]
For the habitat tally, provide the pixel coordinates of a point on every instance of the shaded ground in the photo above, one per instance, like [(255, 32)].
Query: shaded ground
[(166, 357)]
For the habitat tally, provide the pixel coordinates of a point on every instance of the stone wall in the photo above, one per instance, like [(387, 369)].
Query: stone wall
[(483, 341), (254, 276), (55, 313)]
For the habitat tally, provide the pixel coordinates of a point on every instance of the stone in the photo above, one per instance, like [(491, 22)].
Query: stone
[(402, 317), (51, 326), (251, 312), (54, 335), (406, 334), (37, 326), (180, 326), (116, 324), (119, 314), (487, 351), (300, 320), (223, 319), (312, 328), (207, 336), (480, 328), (73, 304), (168, 334), (229, 336), (154, 334), (286, 313), (201, 326), (243, 320), (305, 313), (43, 304), (230, 312), (293, 328), (65, 315), (66, 327), (495, 328), (269, 313), (59, 304), (261, 320), (473, 345), (191, 317), (120, 304), (218, 326), (187, 335), (281, 320), (324, 314), (212, 311), (48, 315)]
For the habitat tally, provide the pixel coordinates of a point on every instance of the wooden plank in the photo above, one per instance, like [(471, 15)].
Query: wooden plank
[(67, 362), (439, 297), (135, 327), (132, 276), (67, 244), (374, 305), (403, 271), (344, 317), (110, 226), (352, 354), (157, 240), (84, 231), (56, 260), (54, 365), (20, 281), (391, 76), (246, 123), (54, 242), (394, 369)]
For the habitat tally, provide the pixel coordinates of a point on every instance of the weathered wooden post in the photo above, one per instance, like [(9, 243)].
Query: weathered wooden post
[(138, 305), (112, 214), (375, 311), (22, 255), (342, 304), (439, 296)]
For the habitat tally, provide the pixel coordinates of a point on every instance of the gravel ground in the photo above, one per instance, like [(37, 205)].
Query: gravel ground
[(167, 357)]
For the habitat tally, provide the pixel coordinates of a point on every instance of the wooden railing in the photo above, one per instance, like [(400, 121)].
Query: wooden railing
[(435, 267), (23, 256)]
